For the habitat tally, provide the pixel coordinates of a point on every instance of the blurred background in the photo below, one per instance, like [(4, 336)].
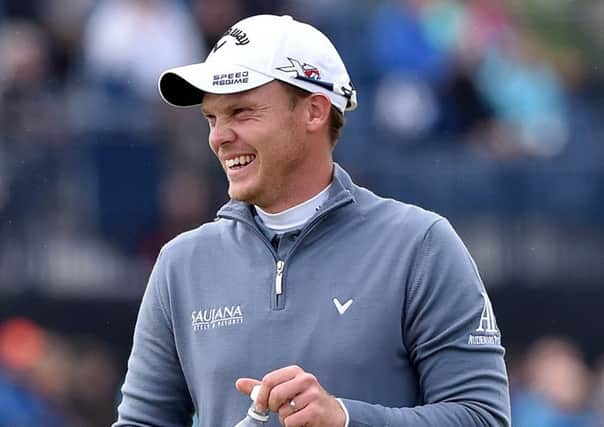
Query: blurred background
[(488, 112)]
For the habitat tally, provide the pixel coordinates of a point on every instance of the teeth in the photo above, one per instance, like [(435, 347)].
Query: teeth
[(241, 160)]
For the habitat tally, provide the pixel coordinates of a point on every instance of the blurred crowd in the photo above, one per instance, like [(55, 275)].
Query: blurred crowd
[(51, 380), (487, 111)]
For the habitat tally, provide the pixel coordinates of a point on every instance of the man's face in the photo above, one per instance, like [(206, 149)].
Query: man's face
[(259, 140)]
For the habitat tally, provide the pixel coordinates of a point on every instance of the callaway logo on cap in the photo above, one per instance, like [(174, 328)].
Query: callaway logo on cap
[(256, 51)]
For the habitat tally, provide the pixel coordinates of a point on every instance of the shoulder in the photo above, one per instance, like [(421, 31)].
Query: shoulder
[(393, 214), (191, 242)]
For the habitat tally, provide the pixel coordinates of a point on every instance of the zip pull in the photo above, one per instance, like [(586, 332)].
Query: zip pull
[(279, 277)]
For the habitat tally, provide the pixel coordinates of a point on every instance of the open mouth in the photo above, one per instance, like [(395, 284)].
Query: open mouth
[(239, 161)]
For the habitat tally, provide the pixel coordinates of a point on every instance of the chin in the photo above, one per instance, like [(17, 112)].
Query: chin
[(241, 195)]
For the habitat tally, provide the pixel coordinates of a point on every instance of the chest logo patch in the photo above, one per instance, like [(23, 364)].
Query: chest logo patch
[(342, 307), (216, 317)]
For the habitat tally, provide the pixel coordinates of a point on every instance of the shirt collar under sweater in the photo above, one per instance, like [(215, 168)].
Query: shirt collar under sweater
[(295, 217), (339, 192)]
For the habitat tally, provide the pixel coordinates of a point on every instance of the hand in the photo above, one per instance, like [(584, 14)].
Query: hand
[(313, 406)]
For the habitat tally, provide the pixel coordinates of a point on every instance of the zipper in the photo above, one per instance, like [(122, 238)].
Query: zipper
[(279, 278)]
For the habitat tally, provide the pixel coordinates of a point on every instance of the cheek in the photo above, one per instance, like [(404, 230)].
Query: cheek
[(294, 136), (286, 153)]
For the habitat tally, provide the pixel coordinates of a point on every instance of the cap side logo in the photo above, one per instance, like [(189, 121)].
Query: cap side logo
[(234, 32), (218, 45), (305, 70)]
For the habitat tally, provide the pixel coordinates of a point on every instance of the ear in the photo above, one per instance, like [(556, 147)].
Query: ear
[(318, 109)]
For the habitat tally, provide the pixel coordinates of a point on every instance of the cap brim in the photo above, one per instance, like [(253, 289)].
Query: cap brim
[(185, 86)]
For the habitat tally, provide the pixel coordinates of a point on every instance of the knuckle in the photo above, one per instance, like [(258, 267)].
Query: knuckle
[(268, 380), (309, 379), (314, 393)]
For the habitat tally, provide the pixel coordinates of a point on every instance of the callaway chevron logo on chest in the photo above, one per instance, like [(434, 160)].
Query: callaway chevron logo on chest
[(216, 317)]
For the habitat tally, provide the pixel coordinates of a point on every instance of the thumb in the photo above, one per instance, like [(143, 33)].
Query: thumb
[(245, 385)]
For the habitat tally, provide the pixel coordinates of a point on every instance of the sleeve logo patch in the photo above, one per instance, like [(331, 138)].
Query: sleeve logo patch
[(487, 332)]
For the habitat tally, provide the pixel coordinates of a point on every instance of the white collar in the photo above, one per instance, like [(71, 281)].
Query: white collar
[(294, 217)]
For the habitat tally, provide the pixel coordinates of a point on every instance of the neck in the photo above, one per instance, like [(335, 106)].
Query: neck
[(312, 181)]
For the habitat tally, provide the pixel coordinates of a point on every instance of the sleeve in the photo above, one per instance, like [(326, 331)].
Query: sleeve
[(154, 392), (453, 341)]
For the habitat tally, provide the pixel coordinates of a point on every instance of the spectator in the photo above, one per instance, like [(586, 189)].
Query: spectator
[(557, 387), (527, 96), (93, 382), (132, 41), (184, 202), (408, 66), (30, 394)]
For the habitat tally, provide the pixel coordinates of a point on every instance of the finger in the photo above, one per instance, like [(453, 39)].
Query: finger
[(305, 416), (297, 403), (245, 385), (271, 380), (283, 393)]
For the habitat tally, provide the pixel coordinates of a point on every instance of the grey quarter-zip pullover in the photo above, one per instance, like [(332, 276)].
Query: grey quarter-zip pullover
[(380, 300)]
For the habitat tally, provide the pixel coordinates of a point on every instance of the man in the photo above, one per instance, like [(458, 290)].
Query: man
[(348, 309)]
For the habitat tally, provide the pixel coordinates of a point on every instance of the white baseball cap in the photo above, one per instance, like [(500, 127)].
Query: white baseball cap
[(256, 51)]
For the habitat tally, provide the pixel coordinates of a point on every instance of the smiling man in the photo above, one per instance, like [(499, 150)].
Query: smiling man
[(348, 309)]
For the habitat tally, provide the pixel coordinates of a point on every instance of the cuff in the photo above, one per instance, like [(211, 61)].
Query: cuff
[(345, 412)]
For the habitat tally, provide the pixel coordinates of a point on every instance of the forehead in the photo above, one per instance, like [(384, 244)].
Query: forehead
[(270, 93)]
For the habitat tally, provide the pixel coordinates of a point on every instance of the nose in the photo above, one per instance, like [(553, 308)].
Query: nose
[(220, 133)]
